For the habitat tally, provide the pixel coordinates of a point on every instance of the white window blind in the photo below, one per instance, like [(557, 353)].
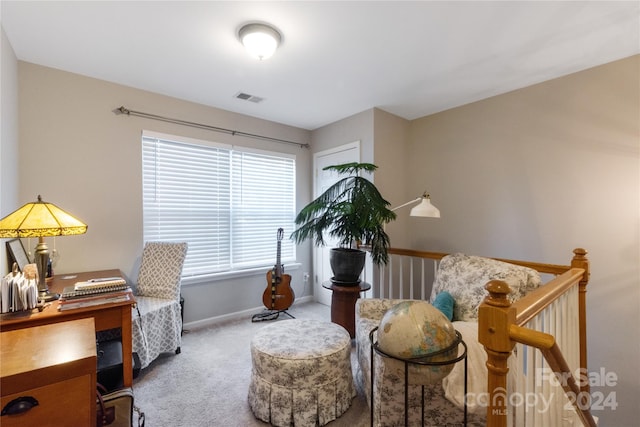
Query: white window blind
[(226, 203)]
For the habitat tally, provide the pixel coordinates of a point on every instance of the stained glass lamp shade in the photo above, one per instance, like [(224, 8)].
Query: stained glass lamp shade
[(41, 219)]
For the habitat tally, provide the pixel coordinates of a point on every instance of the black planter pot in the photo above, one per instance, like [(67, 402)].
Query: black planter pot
[(347, 265)]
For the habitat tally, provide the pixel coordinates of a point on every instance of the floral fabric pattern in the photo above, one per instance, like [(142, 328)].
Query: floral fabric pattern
[(465, 276), (301, 373), (389, 409)]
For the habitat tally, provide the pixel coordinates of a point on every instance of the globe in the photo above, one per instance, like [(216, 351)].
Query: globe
[(415, 330)]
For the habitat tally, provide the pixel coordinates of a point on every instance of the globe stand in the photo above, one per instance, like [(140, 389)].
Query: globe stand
[(422, 360)]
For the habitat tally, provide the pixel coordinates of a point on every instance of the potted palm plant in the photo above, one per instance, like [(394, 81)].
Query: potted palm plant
[(351, 210)]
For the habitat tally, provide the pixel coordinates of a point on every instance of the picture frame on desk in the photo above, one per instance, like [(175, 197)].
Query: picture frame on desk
[(17, 254)]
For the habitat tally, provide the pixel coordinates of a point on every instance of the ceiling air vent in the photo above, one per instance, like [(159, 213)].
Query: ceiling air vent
[(248, 97)]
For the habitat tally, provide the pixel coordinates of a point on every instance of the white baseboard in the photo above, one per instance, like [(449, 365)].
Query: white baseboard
[(236, 315)]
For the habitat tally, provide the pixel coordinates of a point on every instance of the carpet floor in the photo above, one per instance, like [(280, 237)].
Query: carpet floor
[(207, 383)]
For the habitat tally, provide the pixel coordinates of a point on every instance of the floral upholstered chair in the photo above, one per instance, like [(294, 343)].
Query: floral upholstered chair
[(388, 403), (157, 319), (463, 277)]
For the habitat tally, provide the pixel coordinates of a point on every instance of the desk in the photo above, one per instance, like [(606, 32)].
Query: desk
[(343, 304), (106, 316), (53, 365)]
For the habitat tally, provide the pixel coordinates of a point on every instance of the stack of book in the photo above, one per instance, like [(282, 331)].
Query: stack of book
[(94, 292), (17, 293)]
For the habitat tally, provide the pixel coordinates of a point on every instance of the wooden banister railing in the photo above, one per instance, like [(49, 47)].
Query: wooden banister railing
[(538, 299), (547, 345), (580, 261), (501, 324), (500, 327), (538, 266), (495, 316)]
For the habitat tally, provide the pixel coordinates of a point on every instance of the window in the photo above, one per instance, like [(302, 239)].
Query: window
[(226, 202)]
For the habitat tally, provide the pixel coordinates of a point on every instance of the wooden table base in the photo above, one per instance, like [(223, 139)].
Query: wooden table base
[(343, 304)]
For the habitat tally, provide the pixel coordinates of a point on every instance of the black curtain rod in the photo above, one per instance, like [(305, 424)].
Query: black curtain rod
[(128, 112)]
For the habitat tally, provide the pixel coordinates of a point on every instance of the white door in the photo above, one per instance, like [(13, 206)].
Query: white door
[(322, 180)]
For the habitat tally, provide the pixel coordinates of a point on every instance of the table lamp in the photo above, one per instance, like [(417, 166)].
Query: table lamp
[(41, 220)]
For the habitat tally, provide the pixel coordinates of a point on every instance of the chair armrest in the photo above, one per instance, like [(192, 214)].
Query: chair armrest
[(374, 308)]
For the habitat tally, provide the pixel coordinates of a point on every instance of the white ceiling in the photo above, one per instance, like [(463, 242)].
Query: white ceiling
[(337, 58)]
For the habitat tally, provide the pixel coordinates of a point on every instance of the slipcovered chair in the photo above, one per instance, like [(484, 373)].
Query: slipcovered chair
[(157, 318)]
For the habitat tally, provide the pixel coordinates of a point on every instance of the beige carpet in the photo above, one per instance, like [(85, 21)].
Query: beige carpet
[(207, 384)]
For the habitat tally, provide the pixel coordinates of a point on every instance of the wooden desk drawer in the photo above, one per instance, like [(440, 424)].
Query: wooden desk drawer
[(55, 365), (59, 404)]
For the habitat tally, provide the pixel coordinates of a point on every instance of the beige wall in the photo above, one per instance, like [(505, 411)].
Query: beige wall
[(532, 174), (394, 182), (529, 174), (8, 134), (81, 156), (537, 172), (358, 127), (383, 141)]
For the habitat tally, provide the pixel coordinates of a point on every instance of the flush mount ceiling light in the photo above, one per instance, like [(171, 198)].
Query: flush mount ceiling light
[(260, 40)]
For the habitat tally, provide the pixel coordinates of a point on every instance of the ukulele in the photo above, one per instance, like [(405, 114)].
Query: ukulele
[(278, 295)]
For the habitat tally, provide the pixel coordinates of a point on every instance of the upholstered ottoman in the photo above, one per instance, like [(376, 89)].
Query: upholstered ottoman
[(301, 373)]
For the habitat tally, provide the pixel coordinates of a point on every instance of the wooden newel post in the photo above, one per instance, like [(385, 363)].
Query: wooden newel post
[(580, 261), (495, 315)]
